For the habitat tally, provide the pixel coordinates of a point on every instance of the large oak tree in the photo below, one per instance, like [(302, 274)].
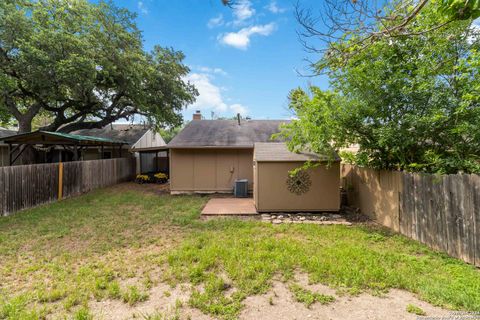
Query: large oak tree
[(84, 66)]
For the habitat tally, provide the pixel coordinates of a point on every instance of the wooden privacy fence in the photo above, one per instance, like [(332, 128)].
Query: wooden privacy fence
[(23, 187), (441, 211)]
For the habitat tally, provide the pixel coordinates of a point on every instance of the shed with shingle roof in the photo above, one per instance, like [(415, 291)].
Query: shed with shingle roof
[(209, 155), (226, 133), (278, 152), (277, 190)]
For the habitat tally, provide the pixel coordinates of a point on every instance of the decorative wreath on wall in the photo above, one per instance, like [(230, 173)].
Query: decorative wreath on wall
[(299, 183)]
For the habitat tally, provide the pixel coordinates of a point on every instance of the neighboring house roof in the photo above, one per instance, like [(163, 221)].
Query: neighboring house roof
[(6, 133), (47, 137), (278, 152), (225, 133), (123, 132)]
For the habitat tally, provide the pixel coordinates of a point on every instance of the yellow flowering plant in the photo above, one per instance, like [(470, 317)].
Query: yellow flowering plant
[(161, 177), (142, 178)]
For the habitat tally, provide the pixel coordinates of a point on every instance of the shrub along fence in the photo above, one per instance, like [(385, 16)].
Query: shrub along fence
[(441, 211), (23, 187)]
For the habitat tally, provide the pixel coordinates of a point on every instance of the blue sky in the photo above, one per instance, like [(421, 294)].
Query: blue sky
[(242, 60)]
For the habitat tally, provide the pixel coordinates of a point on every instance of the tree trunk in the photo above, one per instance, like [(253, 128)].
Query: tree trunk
[(24, 125), (28, 156)]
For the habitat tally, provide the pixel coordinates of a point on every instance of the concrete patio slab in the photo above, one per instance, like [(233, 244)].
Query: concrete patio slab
[(229, 206)]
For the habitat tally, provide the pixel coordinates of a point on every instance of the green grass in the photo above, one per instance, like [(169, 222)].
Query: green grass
[(351, 259), (83, 314), (415, 310), (119, 242), (133, 295), (56, 258), (308, 297)]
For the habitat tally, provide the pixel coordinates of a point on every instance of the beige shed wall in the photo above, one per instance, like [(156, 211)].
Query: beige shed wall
[(272, 195), (209, 170)]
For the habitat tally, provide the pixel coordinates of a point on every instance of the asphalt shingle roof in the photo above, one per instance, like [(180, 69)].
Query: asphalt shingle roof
[(225, 133), (6, 133), (128, 133), (278, 152)]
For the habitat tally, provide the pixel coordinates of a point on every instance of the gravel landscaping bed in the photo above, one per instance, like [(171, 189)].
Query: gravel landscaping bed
[(324, 218)]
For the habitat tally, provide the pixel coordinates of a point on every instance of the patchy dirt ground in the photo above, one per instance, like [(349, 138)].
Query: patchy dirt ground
[(279, 304), (164, 303), (172, 303)]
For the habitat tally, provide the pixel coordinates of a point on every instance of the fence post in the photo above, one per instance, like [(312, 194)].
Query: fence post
[(60, 181)]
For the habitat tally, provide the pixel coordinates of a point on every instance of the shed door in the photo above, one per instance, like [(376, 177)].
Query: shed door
[(227, 168), (205, 170)]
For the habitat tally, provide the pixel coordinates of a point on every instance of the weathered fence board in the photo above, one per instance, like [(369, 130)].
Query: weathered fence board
[(476, 219), (26, 186), (442, 211), (22, 187), (81, 177)]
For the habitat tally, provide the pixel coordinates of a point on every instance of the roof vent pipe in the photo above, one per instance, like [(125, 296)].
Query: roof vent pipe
[(238, 118)]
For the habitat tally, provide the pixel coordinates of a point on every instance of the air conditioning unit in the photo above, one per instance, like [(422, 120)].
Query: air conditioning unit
[(240, 189)]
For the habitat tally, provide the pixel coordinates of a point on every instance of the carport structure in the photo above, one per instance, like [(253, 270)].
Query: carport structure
[(70, 142), (153, 159)]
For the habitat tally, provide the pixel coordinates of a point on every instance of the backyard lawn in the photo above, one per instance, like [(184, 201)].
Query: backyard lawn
[(127, 247)]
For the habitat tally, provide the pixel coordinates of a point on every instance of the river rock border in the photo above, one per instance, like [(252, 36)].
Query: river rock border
[(305, 217)]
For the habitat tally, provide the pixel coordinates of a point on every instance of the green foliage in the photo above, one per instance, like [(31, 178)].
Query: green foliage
[(348, 157), (318, 123), (5, 118), (458, 9), (83, 65), (411, 103), (169, 133)]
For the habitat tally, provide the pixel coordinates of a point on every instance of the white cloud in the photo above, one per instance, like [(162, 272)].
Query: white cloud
[(142, 8), (210, 95), (216, 22), (243, 10), (218, 71), (238, 108), (241, 39), (274, 8)]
